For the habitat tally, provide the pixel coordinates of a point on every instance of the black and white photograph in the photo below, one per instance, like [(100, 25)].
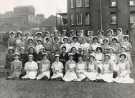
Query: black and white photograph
[(67, 48)]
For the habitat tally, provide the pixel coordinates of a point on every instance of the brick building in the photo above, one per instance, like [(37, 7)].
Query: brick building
[(100, 14)]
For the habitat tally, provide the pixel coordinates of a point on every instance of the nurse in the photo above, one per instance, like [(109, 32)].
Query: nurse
[(44, 68), (124, 71), (75, 43), (9, 60), (107, 72), (99, 54), (70, 69), (39, 46), (66, 44), (31, 68), (57, 69), (91, 68), (81, 69), (95, 43), (16, 67)]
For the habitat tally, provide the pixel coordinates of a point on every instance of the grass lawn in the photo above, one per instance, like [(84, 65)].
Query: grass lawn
[(56, 89)]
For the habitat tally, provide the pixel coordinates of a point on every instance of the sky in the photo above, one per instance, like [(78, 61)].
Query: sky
[(46, 7)]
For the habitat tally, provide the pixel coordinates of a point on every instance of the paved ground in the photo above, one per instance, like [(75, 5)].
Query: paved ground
[(56, 89)]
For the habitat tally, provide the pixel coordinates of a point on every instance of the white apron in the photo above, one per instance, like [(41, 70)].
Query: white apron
[(124, 75), (31, 70), (44, 71), (107, 76), (70, 74), (81, 71), (92, 74), (57, 70)]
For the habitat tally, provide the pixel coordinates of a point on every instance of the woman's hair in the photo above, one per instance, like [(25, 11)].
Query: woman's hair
[(63, 47), (99, 48), (106, 55), (91, 56), (114, 39), (95, 38), (123, 55), (31, 48)]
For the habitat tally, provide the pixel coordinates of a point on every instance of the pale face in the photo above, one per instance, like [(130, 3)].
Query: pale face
[(114, 41), (16, 57), (45, 57), (57, 59), (74, 50), (95, 40), (71, 57), (125, 39), (106, 58), (105, 41), (91, 59), (39, 42), (109, 33), (10, 51), (119, 32), (122, 58), (80, 59), (65, 40), (22, 50), (98, 50), (30, 58)]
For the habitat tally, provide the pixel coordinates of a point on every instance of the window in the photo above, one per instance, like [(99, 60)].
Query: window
[(132, 18), (113, 3), (72, 19), (132, 2), (113, 18), (78, 3), (87, 3), (72, 3), (87, 19), (79, 19)]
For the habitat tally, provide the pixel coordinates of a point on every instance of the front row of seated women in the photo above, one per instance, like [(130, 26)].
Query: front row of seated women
[(89, 70)]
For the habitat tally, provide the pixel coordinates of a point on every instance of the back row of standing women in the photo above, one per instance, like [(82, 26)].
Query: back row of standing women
[(78, 58)]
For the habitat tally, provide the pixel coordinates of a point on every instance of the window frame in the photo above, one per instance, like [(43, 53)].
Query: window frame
[(133, 3), (85, 3), (71, 3), (133, 14), (111, 20), (72, 20), (79, 19), (89, 19), (111, 5), (81, 3)]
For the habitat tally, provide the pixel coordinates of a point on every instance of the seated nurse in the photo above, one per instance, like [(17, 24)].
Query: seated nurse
[(81, 69), (31, 68), (57, 69), (91, 68), (107, 72), (70, 69), (124, 70), (44, 68)]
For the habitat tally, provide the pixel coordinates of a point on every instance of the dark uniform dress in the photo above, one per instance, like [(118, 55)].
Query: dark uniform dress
[(39, 56), (75, 57), (64, 59), (16, 67), (9, 59), (23, 58)]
